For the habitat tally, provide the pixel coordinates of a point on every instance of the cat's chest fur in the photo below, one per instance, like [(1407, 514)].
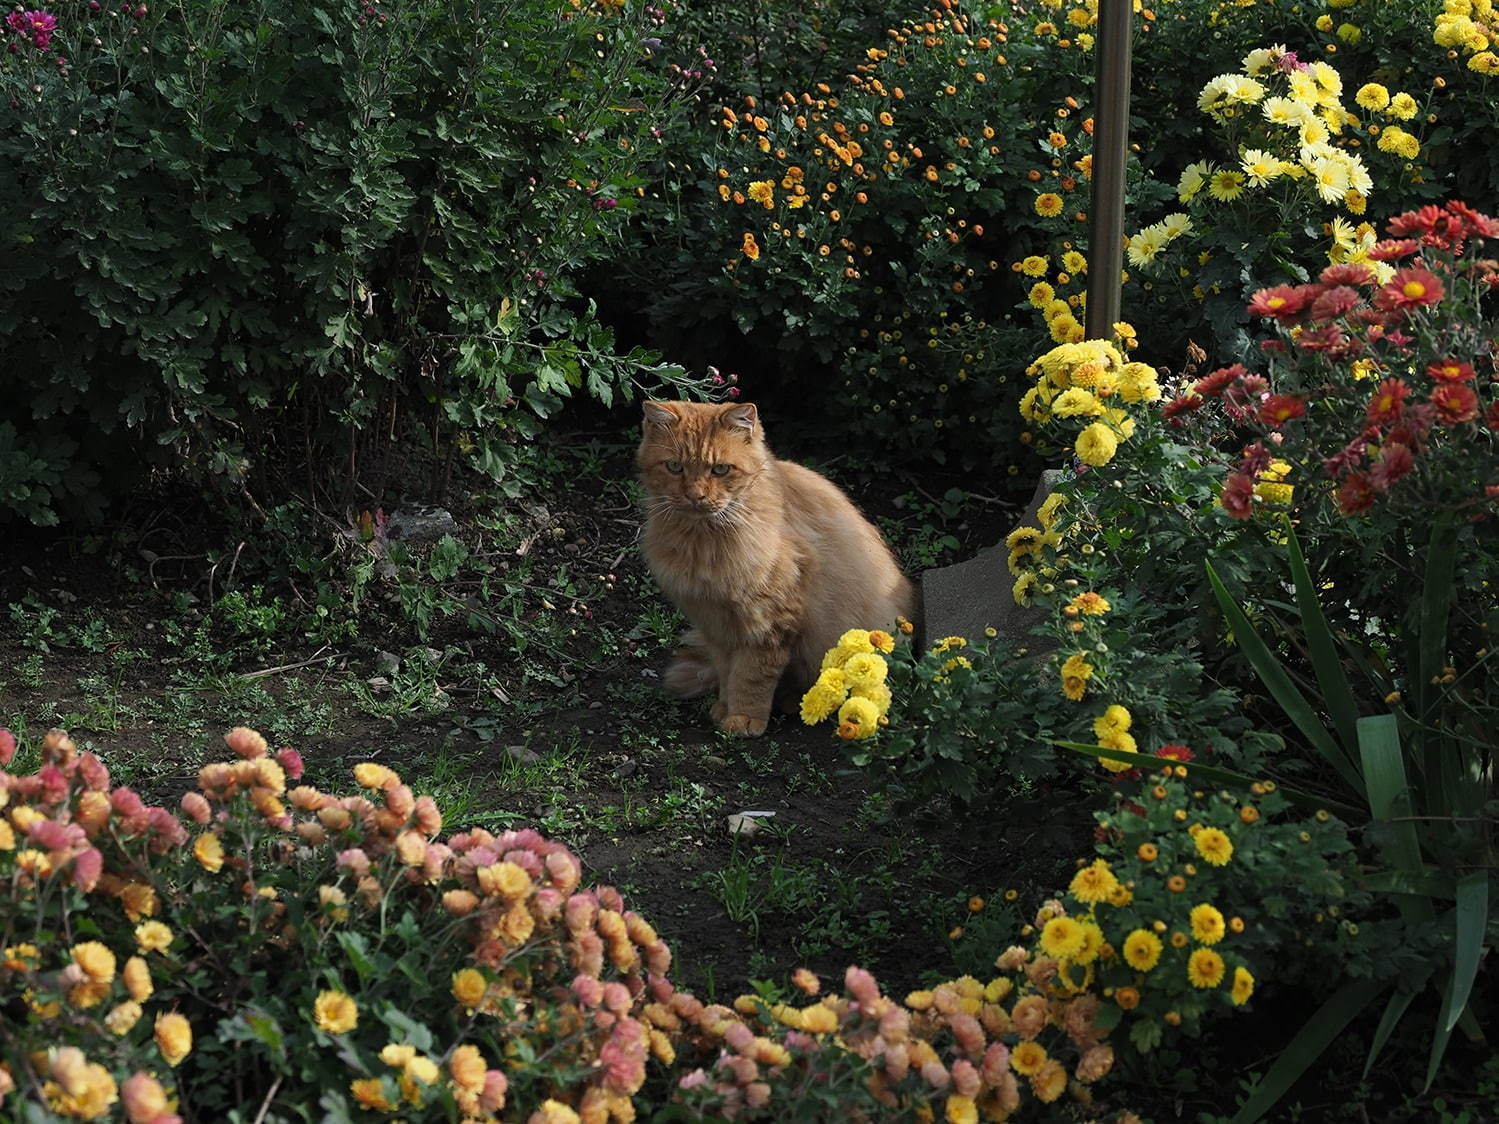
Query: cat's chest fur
[(743, 582)]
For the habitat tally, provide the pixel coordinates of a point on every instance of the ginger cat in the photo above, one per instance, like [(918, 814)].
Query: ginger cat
[(769, 561)]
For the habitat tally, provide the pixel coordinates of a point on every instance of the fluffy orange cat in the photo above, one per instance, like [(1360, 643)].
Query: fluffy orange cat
[(769, 561)]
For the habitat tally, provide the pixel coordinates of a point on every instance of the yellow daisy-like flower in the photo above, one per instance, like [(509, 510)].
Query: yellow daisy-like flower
[(1074, 262), (960, 1110), (1243, 986), (369, 1092), (469, 987), (1048, 204), (1024, 539), (1403, 107), (153, 936), (1028, 1057), (1075, 402), (1046, 514), (881, 641), (1034, 266), (1076, 671), (1226, 185), (174, 1038), (1207, 924), (1214, 846), (1205, 968), (1050, 1081), (1096, 445), (858, 718), (1091, 605), (97, 962), (762, 192), (1120, 742), (1093, 937), (335, 1012), (865, 671), (1041, 294), (1024, 589), (1114, 719), (824, 696), (1371, 95), (209, 851), (1062, 938), (1093, 883), (1142, 950)]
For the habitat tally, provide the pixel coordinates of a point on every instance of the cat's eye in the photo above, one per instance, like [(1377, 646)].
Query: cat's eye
[(673, 466), (720, 469)]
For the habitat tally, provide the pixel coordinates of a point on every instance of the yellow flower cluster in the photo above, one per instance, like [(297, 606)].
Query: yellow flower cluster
[(1026, 546), (1468, 26), (852, 683), (1309, 142), (1081, 380)]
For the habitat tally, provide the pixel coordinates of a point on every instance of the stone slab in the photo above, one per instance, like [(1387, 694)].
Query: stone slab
[(967, 597)]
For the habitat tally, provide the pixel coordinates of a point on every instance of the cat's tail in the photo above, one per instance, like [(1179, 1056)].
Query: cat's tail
[(690, 672)]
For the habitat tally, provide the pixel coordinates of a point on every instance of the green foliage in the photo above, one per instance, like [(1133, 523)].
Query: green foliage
[(253, 239)]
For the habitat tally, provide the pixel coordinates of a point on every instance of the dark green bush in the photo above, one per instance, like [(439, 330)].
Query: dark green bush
[(250, 237)]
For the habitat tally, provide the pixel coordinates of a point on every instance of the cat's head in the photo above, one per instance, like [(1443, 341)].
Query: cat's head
[(698, 458)]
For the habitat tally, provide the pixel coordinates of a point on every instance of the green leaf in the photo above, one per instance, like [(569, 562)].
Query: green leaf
[(1311, 1040), (1472, 919), (357, 951), (1337, 695), (1279, 684), (1145, 1035), (1400, 1000)]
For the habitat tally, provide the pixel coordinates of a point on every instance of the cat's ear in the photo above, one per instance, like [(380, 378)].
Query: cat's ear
[(741, 418), (660, 413)]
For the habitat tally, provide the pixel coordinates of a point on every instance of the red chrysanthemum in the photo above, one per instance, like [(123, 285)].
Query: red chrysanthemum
[(1416, 223), (1395, 460), (1355, 494), (1284, 302), (1256, 460), (1281, 408), (1347, 273), (1411, 288), (1392, 249), (1334, 302), (1455, 402), (1238, 495), (1349, 457), (1491, 419), (1182, 404), (1210, 386), (1451, 370), (1175, 753), (1388, 402)]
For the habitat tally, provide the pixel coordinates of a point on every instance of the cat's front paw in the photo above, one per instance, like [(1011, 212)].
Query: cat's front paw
[(718, 711), (742, 725)]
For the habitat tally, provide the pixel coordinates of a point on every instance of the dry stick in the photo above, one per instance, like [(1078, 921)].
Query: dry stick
[(265, 1105), (317, 657)]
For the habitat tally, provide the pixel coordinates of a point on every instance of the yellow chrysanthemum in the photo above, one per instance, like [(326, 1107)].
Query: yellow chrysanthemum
[(1120, 742), (335, 1012), (1041, 294), (1214, 846), (1096, 445), (824, 696), (858, 718), (1028, 1057), (1024, 589), (1048, 204), (1204, 968), (1062, 938), (1207, 924), (1076, 402), (1142, 950), (1243, 986), (1046, 514), (1034, 266), (1093, 883)]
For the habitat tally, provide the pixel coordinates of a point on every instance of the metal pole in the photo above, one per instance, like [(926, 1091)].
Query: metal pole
[(1110, 151)]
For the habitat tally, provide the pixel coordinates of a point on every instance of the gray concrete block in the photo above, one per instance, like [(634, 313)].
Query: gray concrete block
[(967, 597)]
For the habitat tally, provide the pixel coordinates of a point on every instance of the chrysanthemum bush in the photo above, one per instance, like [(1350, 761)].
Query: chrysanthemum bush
[(1190, 899), (246, 237), (271, 949)]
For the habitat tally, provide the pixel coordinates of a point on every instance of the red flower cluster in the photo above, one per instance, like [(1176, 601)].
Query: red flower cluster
[(1348, 315)]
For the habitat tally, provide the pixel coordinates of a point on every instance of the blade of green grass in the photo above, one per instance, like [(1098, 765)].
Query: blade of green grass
[(1279, 684), (1394, 1010), (1389, 798), (1337, 695), (1472, 919)]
